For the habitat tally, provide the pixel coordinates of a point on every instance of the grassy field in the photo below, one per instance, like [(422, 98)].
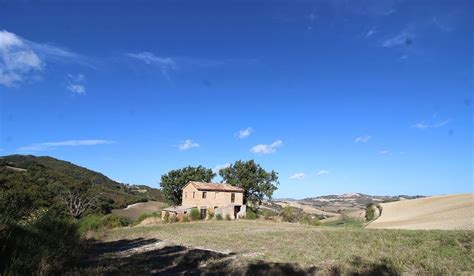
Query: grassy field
[(133, 211), (330, 249)]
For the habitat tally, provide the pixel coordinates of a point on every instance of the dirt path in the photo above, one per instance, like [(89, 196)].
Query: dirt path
[(448, 212)]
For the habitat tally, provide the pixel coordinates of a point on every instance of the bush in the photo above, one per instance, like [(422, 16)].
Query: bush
[(89, 223), (219, 217), (251, 214), (227, 217), (370, 212), (43, 247), (184, 218), (166, 217), (210, 213), (267, 214), (144, 216), (195, 214), (307, 219), (288, 215), (114, 221)]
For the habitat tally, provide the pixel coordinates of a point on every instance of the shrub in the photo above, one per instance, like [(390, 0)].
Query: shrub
[(250, 214), (227, 217), (219, 217), (114, 221), (370, 212), (144, 216), (307, 219), (195, 214), (166, 217), (267, 214), (210, 213), (288, 215), (89, 223), (44, 247), (184, 218), (173, 218)]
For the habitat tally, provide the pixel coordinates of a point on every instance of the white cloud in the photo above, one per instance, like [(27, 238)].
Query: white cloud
[(323, 172), (298, 176), (165, 64), (77, 88), (370, 33), (69, 143), (244, 133), (423, 125), (76, 83), (17, 59), (21, 59), (217, 168), (188, 144), (400, 40), (385, 152), (362, 139), (266, 149)]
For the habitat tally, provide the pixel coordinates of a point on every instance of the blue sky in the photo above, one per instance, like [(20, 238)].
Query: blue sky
[(336, 96)]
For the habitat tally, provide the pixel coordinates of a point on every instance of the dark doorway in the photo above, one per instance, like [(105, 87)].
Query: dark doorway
[(236, 210), (203, 213)]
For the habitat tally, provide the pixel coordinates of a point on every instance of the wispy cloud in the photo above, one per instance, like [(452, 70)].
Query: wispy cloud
[(323, 172), (76, 83), (266, 149), (187, 145), (385, 152), (244, 133), (423, 125), (403, 39), (298, 176), (22, 60), (370, 33), (70, 143), (217, 168), (362, 139), (311, 18), (165, 64)]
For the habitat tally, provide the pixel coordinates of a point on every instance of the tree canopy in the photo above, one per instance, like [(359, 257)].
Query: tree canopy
[(250, 176), (174, 181)]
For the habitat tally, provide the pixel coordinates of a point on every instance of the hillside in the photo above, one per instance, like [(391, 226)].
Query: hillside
[(437, 212), (350, 201), (40, 174)]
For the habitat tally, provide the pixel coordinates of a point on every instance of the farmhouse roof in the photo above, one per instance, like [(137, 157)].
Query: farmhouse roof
[(218, 187)]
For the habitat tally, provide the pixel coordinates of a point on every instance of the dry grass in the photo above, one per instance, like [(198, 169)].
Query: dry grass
[(448, 212), (133, 211), (346, 249)]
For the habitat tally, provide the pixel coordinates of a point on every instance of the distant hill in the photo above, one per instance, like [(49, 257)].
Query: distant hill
[(38, 172), (349, 201)]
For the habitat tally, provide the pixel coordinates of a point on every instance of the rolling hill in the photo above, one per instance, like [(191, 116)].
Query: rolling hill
[(447, 212), (39, 174)]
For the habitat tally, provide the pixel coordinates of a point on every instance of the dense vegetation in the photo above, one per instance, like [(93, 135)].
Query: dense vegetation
[(256, 181), (39, 179), (174, 181), (45, 202)]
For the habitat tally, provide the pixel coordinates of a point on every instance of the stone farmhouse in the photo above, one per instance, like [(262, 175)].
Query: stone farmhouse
[(218, 198)]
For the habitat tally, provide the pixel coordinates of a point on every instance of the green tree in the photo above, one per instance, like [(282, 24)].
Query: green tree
[(250, 176), (174, 181)]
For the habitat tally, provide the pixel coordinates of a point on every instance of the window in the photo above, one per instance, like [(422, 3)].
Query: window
[(204, 194), (185, 194), (232, 198), (193, 194)]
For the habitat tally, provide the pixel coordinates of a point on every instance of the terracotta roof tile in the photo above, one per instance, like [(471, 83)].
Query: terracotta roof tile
[(222, 187)]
